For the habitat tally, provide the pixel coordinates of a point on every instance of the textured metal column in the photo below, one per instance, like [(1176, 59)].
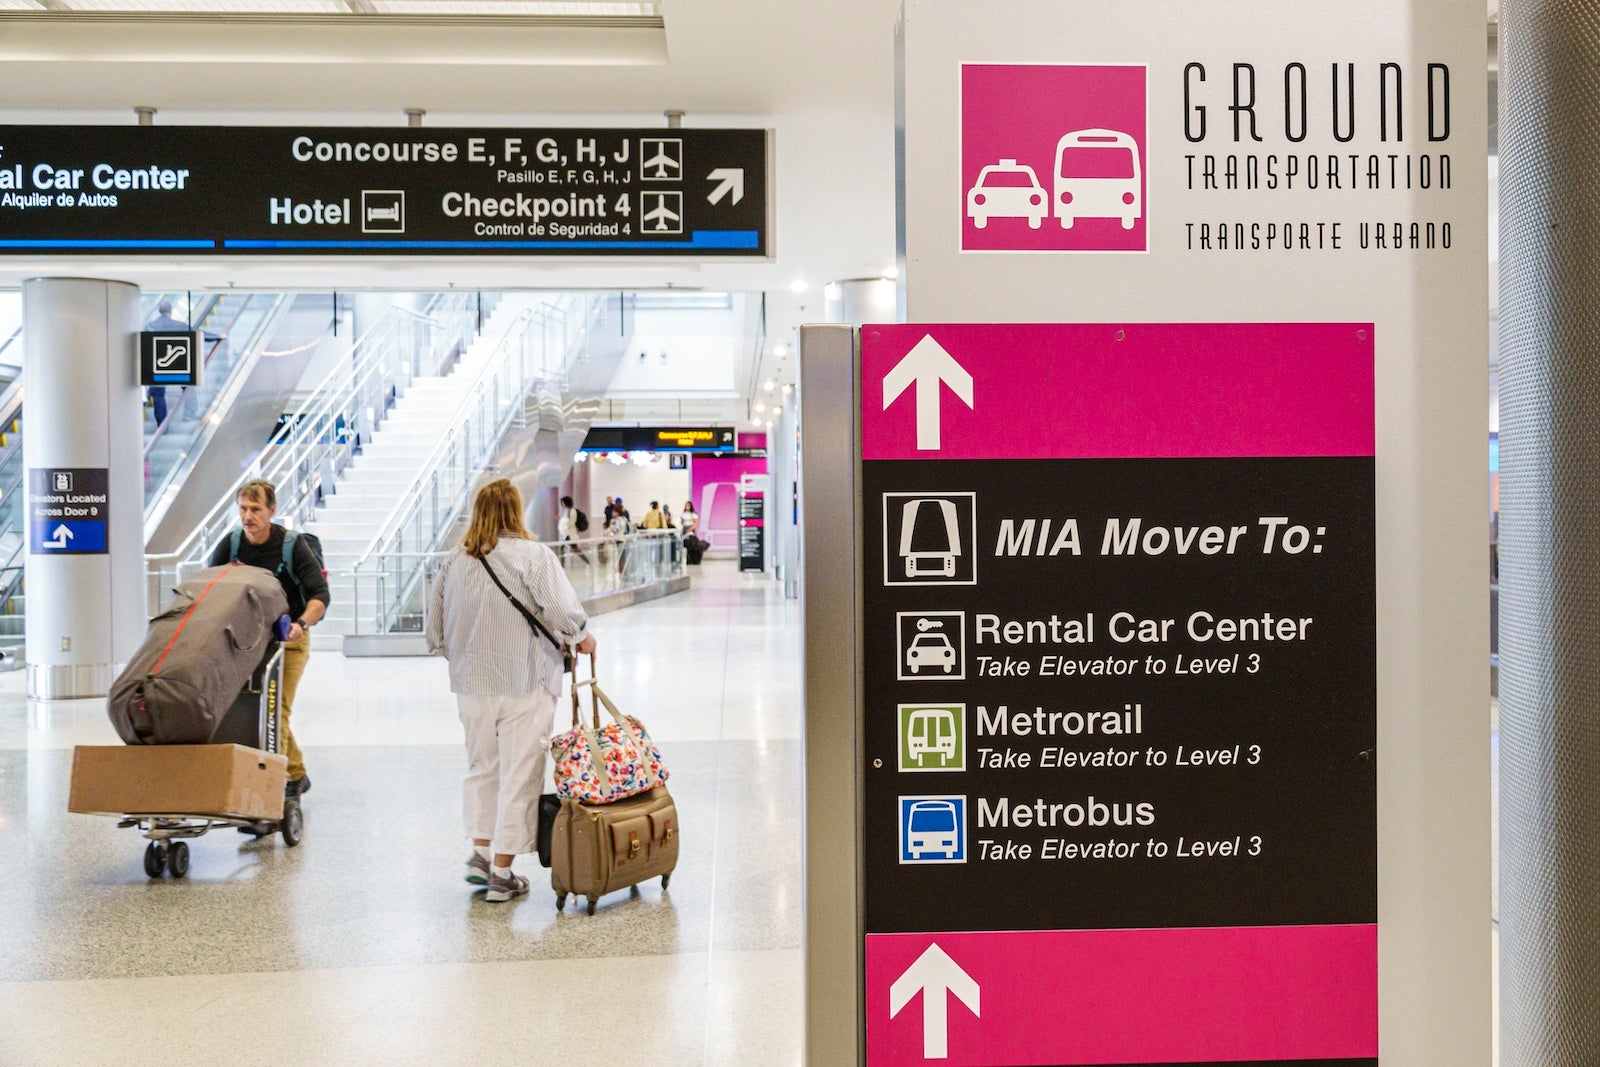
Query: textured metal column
[(1550, 533)]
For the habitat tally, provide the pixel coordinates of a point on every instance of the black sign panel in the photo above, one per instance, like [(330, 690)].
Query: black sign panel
[(752, 530), (421, 192), (169, 357), (660, 439), (1092, 708)]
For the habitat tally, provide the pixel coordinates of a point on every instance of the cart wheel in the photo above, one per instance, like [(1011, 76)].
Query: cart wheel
[(591, 905), (666, 880), (178, 859), (155, 858), (294, 822), (561, 901)]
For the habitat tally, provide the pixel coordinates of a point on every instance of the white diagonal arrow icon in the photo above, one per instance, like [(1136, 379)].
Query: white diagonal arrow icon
[(61, 536), (927, 364), (934, 975), (732, 179)]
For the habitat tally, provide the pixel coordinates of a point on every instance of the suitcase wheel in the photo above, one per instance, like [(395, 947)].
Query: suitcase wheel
[(155, 858), (591, 905), (666, 880), (178, 859), (561, 901)]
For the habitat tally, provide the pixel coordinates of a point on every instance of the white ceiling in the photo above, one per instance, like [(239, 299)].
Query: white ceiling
[(820, 74)]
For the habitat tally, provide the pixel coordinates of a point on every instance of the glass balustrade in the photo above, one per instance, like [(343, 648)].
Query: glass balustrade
[(532, 358), (308, 452)]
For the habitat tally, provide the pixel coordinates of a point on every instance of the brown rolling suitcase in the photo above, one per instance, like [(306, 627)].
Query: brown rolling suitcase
[(599, 848)]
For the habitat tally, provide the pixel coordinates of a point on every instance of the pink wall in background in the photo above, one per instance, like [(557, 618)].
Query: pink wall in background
[(714, 481)]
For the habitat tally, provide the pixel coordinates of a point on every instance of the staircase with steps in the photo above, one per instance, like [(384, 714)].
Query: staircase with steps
[(376, 480)]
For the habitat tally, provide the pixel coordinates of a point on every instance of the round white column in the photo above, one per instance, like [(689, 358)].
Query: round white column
[(86, 608)]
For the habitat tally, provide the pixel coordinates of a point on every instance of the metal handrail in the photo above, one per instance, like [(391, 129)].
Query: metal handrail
[(165, 485), (505, 409), (211, 352), (630, 560), (314, 446)]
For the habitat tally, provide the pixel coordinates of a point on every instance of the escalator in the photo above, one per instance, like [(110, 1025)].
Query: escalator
[(240, 322)]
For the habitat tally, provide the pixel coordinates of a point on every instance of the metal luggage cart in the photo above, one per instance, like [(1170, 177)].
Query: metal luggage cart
[(253, 721)]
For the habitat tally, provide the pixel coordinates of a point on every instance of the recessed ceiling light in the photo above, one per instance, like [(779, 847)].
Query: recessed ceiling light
[(760, 408), (769, 385), (799, 285), (891, 273)]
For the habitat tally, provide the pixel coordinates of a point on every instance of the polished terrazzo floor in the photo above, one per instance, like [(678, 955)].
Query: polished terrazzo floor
[(363, 945)]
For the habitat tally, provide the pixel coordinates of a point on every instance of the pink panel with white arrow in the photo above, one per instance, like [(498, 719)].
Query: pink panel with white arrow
[(1132, 391), (1204, 995)]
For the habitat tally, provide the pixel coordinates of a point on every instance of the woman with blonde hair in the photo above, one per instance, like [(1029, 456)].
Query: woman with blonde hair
[(505, 669)]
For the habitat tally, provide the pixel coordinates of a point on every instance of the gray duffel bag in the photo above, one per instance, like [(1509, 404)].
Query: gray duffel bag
[(197, 657)]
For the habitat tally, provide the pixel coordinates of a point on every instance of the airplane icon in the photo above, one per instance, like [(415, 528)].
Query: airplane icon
[(661, 159), (661, 216)]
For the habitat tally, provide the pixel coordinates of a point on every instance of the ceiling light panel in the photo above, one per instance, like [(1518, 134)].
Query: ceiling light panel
[(213, 7), (528, 8)]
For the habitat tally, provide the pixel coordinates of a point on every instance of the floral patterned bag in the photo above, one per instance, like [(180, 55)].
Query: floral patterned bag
[(599, 764)]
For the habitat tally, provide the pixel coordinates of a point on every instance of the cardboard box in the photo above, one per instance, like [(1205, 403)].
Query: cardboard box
[(223, 780)]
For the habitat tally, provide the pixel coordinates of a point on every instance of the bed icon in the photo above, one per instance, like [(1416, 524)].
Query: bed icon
[(383, 211)]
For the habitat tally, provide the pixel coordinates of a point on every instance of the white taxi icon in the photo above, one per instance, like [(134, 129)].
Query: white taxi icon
[(1007, 190)]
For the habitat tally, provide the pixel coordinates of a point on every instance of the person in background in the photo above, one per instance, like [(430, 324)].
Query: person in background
[(305, 586), (165, 321), (611, 512), (691, 518), (666, 515), (653, 519), (506, 676), (568, 531), (622, 512)]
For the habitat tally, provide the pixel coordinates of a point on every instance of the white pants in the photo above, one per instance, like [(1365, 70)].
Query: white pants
[(508, 741)]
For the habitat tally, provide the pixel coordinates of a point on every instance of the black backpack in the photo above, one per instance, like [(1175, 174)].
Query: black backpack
[(287, 566), (581, 521)]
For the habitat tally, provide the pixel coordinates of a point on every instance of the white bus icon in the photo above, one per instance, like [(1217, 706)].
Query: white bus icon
[(1097, 176), (933, 827)]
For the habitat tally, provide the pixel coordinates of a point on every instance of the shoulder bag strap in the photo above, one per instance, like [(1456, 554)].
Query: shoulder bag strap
[(526, 614), (233, 546)]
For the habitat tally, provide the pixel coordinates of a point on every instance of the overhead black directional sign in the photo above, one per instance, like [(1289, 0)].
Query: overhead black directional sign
[(420, 192)]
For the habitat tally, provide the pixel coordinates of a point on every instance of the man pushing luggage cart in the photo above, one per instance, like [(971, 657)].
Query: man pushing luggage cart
[(294, 561)]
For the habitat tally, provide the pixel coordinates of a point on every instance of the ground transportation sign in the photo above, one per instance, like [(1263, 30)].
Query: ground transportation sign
[(1120, 694), (383, 191)]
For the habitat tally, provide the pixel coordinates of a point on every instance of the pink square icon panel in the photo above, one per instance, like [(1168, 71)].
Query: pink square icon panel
[(1053, 158)]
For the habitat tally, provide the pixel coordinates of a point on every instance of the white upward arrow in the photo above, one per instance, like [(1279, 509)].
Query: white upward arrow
[(732, 179), (927, 364), (61, 536), (933, 975)]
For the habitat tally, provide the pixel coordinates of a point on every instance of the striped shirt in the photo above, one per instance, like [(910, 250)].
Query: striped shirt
[(491, 648)]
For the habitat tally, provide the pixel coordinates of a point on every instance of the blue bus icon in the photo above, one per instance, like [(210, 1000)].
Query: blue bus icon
[(933, 829)]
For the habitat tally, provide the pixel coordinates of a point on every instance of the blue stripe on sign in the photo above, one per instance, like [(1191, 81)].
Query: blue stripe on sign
[(49, 537), (700, 239), (17, 242), (181, 379)]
